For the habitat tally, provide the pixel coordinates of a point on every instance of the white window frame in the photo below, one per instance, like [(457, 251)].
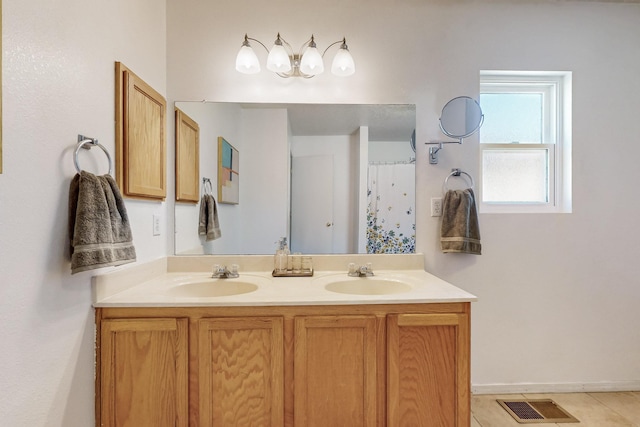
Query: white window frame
[(555, 88)]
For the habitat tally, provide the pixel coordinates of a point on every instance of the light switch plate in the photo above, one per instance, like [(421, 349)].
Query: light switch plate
[(436, 206), (156, 224)]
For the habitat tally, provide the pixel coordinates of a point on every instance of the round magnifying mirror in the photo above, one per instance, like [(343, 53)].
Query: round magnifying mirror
[(461, 117)]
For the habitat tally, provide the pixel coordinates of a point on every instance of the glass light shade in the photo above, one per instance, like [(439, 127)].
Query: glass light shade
[(343, 64), (278, 60), (247, 61), (311, 62)]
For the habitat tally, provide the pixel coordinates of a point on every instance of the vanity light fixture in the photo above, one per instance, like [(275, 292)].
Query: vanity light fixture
[(286, 63)]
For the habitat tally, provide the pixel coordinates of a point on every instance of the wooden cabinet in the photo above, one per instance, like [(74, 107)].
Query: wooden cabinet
[(240, 372), (143, 373), (140, 137), (335, 379), (187, 158), (428, 370), (369, 365)]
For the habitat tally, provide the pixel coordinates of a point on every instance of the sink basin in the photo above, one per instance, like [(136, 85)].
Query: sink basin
[(212, 288), (368, 286)]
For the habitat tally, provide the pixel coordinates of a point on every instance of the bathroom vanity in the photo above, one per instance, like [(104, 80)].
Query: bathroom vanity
[(328, 350)]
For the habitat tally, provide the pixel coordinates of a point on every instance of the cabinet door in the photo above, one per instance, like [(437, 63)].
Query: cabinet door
[(335, 371), (140, 137), (428, 370), (241, 372), (144, 373), (187, 158)]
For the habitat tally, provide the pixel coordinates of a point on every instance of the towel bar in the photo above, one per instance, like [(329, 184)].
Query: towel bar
[(456, 172), (82, 141)]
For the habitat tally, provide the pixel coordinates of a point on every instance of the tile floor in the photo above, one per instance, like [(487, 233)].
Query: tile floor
[(591, 409)]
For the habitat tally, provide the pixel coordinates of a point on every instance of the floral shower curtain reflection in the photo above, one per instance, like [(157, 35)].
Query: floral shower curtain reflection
[(391, 225)]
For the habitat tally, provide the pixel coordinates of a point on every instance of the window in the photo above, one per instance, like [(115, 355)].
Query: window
[(525, 142)]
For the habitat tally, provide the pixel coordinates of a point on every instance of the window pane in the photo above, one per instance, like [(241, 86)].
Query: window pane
[(515, 176), (511, 117)]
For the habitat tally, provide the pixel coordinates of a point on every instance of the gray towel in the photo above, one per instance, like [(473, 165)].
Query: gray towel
[(208, 224), (460, 231), (99, 230)]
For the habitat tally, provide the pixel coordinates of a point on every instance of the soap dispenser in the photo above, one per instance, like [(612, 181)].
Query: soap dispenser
[(281, 256)]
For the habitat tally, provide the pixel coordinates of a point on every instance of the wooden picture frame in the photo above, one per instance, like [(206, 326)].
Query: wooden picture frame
[(187, 158), (228, 173)]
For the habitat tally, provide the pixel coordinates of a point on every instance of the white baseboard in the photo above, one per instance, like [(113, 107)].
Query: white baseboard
[(555, 387)]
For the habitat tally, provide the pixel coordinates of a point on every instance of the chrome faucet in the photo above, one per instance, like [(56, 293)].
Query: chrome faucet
[(222, 272), (362, 271)]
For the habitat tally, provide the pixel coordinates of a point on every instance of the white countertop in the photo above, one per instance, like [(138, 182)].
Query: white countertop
[(156, 285)]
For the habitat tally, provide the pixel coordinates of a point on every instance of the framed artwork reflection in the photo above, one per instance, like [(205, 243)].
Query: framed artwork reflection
[(228, 173)]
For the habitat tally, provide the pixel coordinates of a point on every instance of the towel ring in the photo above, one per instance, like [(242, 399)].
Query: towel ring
[(456, 172), (206, 186), (82, 141)]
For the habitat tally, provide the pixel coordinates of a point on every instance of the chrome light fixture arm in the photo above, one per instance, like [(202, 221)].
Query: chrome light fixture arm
[(342, 46), (246, 42)]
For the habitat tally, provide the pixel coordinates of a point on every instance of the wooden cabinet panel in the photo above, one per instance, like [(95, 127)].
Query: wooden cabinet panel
[(335, 371), (369, 365), (144, 373), (140, 137), (241, 372), (428, 370), (187, 158)]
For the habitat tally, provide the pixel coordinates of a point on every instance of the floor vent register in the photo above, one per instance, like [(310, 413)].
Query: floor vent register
[(527, 411)]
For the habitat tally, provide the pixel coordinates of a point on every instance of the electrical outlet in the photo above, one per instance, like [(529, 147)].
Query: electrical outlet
[(436, 206), (156, 224)]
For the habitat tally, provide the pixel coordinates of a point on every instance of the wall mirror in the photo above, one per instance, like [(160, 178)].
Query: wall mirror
[(461, 117), (332, 178)]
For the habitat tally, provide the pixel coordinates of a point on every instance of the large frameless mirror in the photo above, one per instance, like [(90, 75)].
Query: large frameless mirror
[(332, 178)]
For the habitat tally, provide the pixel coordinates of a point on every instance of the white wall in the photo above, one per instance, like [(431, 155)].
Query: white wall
[(58, 81), (558, 293), (264, 180)]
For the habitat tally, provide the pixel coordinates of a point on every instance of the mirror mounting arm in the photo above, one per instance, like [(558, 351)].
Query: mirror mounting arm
[(433, 151)]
